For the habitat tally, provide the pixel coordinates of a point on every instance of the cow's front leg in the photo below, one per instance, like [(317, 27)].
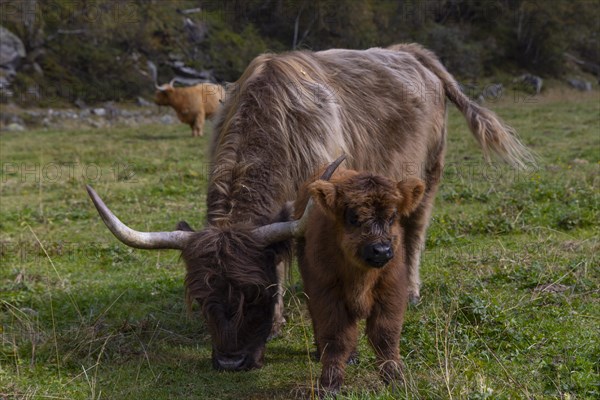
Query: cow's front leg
[(278, 317), (415, 228), (197, 127)]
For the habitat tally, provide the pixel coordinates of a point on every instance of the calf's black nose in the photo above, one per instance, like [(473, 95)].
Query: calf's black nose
[(378, 254)]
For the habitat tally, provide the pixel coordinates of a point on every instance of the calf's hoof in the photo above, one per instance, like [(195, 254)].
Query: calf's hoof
[(391, 373), (353, 358), (328, 392), (324, 393)]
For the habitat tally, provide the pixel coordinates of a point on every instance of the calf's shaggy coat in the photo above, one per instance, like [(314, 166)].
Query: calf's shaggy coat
[(353, 266)]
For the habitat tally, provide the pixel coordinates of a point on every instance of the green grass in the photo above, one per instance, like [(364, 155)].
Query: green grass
[(511, 274)]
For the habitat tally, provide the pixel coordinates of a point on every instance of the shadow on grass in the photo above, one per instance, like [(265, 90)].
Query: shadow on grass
[(135, 339)]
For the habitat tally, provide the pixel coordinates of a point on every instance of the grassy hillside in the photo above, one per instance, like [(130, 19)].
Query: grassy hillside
[(511, 273)]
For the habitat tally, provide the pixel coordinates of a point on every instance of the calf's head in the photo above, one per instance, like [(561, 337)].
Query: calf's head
[(367, 209)]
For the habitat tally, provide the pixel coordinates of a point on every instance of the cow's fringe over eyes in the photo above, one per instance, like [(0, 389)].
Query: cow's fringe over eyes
[(223, 255)]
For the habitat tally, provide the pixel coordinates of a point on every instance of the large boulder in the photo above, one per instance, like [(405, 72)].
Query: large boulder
[(529, 82), (580, 84), (12, 51)]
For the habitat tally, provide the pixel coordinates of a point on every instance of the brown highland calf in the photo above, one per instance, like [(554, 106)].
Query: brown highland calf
[(353, 266)]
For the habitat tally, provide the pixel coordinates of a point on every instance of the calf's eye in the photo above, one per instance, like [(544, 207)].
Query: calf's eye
[(352, 218)]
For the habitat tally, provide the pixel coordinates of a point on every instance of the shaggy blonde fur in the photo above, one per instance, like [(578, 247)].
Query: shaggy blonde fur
[(385, 108)]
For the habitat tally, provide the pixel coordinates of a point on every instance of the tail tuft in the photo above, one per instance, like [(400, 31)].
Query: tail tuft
[(493, 135)]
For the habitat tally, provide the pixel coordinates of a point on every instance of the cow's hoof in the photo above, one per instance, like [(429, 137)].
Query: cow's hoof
[(414, 298), (276, 329)]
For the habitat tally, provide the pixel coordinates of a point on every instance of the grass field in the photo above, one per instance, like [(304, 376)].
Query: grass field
[(511, 276)]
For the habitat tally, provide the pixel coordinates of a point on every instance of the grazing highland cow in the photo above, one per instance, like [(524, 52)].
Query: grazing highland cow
[(192, 104), (385, 108), (353, 267)]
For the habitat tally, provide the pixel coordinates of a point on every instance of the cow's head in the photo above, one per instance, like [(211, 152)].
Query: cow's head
[(162, 96), (367, 209), (231, 274)]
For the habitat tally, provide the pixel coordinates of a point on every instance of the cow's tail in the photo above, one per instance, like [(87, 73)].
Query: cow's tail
[(491, 133)]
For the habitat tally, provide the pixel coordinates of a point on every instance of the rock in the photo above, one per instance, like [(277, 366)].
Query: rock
[(552, 288), (12, 50), (579, 161), (15, 127), (112, 110), (71, 115), (16, 120), (167, 120), (79, 103), (492, 92), (196, 31), (580, 84), (29, 311), (97, 123), (143, 102), (532, 82), (101, 112)]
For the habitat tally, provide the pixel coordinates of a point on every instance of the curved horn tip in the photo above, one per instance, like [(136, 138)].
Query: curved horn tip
[(139, 240), (328, 173)]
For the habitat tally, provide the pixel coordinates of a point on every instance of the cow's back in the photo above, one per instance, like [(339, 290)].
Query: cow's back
[(393, 110), (291, 112)]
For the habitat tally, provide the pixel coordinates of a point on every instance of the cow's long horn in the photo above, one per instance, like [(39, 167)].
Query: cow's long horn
[(139, 240), (154, 73), (280, 231)]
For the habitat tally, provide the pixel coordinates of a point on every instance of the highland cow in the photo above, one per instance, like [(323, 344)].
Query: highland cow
[(192, 104), (385, 108)]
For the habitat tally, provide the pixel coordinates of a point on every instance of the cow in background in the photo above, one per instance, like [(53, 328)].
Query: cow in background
[(193, 104)]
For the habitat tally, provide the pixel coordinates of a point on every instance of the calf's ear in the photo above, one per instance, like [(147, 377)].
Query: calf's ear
[(323, 193), (411, 193)]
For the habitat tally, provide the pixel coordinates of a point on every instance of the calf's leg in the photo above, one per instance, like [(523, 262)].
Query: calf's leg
[(337, 336), (384, 326)]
